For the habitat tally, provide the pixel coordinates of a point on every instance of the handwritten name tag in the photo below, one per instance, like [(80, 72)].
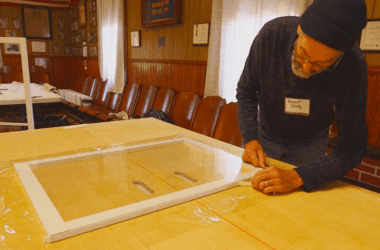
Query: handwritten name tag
[(295, 106)]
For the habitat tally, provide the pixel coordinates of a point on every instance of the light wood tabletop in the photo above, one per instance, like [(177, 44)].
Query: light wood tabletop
[(339, 216)]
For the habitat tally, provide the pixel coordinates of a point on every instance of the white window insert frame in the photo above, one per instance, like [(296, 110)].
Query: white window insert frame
[(25, 71)]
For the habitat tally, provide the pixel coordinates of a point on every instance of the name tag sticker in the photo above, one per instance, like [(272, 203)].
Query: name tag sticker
[(295, 106)]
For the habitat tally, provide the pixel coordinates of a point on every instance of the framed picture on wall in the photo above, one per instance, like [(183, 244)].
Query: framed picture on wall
[(135, 38), (3, 23), (61, 24), (56, 49), (74, 13), (10, 33), (61, 34), (16, 24), (370, 37), (36, 16), (82, 13), (159, 13), (94, 7), (94, 37), (67, 49), (11, 48), (38, 46), (201, 34), (93, 22)]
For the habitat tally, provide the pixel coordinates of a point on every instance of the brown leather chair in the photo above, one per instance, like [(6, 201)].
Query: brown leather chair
[(145, 100), (128, 102), (184, 109), (79, 83), (112, 106), (87, 85), (101, 99), (207, 115), (164, 100), (39, 78), (227, 126)]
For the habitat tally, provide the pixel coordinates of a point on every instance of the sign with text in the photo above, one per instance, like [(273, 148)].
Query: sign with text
[(160, 12)]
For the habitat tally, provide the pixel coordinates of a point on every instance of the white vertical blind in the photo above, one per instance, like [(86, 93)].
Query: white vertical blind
[(111, 43), (234, 25)]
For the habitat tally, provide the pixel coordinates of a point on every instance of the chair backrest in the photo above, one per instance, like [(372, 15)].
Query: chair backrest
[(94, 90), (184, 109), (87, 85), (39, 78), (145, 100), (130, 95), (114, 102), (79, 83), (103, 95), (45, 78), (207, 115), (227, 126), (164, 99)]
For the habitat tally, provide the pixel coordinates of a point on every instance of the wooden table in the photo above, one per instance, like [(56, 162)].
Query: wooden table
[(340, 216)]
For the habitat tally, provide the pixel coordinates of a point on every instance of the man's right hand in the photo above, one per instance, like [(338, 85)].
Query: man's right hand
[(254, 154)]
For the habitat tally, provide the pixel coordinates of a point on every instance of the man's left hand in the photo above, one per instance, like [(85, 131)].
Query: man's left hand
[(275, 179)]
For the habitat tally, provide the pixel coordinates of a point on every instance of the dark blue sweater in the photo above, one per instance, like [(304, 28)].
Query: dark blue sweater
[(267, 79)]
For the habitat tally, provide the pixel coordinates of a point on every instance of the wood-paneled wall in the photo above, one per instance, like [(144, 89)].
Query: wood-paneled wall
[(179, 75), (373, 106), (178, 65), (179, 37)]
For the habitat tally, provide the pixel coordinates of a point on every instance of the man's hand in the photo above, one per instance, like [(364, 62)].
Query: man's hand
[(254, 154), (275, 179)]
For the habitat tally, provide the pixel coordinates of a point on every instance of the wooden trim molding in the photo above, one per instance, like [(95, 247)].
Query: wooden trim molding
[(168, 61)]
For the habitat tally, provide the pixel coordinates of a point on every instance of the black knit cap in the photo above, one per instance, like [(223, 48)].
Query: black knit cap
[(335, 23)]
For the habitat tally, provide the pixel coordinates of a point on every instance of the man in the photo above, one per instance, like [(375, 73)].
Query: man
[(300, 73)]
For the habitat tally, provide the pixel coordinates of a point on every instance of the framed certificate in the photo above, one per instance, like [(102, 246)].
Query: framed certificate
[(38, 46), (370, 38), (201, 34), (135, 38)]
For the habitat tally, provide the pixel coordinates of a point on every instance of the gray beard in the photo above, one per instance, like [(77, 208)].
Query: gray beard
[(298, 70)]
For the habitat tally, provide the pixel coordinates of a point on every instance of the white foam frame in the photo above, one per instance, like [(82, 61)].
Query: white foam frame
[(25, 72), (57, 229)]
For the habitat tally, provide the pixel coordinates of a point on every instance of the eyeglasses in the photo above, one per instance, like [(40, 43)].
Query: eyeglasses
[(330, 68)]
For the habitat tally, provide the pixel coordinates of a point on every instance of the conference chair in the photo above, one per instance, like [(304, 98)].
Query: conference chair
[(128, 101), (112, 105), (207, 115), (227, 126), (184, 109), (101, 99), (164, 100), (145, 100)]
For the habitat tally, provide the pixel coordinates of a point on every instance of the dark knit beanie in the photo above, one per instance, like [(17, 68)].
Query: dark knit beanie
[(335, 23)]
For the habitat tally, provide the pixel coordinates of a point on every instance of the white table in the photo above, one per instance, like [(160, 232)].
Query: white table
[(13, 93)]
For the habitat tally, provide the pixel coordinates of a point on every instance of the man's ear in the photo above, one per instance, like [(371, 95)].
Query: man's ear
[(299, 29)]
